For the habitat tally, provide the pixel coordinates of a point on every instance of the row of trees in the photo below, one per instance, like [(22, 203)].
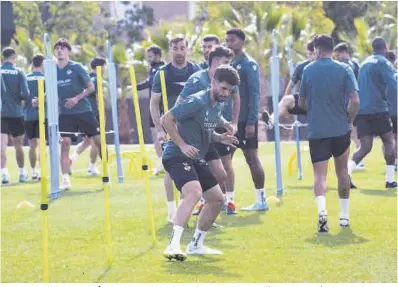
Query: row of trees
[(88, 25)]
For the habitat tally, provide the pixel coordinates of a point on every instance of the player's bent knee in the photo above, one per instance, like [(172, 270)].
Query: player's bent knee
[(214, 195), (192, 190)]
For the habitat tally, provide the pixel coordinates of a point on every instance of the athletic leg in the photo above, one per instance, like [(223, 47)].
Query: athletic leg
[(389, 156), (65, 163), (4, 172), (20, 157)]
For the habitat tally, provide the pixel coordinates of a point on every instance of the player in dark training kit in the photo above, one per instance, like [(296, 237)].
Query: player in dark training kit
[(329, 93), (16, 91), (31, 119), (249, 91), (220, 164), (76, 114), (176, 73), (92, 98), (377, 82), (191, 125), (154, 56), (209, 41)]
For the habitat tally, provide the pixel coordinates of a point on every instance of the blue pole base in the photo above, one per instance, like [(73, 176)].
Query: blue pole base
[(121, 179), (55, 194), (279, 193)]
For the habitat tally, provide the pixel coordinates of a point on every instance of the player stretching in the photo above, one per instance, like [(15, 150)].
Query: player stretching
[(249, 91), (325, 87), (377, 82), (191, 124), (16, 90)]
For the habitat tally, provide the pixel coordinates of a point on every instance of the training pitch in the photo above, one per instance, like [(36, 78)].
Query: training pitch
[(281, 245)]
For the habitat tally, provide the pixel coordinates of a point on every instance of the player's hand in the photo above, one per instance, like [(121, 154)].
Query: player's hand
[(231, 128), (35, 102), (70, 103), (189, 150), (161, 136), (229, 140), (250, 131)]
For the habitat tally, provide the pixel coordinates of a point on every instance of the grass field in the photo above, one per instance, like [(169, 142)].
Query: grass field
[(281, 245)]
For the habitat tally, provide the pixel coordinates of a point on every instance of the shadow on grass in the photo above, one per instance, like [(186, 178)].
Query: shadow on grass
[(199, 266), (14, 184), (102, 276), (240, 220), (309, 188), (380, 192), (344, 237)]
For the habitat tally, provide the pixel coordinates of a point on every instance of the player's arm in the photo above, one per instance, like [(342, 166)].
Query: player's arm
[(189, 89), (225, 139), (289, 88), (90, 88), (351, 86), (154, 107), (253, 89), (235, 106), (388, 75), (303, 93), (23, 87), (295, 80), (143, 85)]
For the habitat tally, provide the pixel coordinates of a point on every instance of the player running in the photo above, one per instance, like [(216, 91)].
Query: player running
[(325, 89), (16, 90), (191, 124)]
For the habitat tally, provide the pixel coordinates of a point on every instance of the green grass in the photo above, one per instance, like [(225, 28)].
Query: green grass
[(281, 245)]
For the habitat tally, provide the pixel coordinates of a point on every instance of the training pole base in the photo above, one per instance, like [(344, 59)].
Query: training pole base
[(55, 194)]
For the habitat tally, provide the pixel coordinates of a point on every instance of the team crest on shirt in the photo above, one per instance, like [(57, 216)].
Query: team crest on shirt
[(187, 167), (207, 116), (238, 67), (69, 72), (244, 142), (254, 67)]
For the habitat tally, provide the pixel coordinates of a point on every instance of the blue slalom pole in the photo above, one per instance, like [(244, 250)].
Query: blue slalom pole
[(113, 95), (275, 73), (50, 77), (296, 127)]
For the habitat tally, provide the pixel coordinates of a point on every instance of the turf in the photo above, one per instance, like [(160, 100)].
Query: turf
[(281, 245)]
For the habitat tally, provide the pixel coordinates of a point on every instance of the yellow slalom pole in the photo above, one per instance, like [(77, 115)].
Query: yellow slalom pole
[(105, 172), (44, 180), (144, 161), (166, 109)]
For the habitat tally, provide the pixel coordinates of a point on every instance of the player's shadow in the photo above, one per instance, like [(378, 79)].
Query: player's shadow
[(344, 237), (310, 188), (82, 192), (380, 192), (199, 266), (14, 184), (240, 221), (102, 276)]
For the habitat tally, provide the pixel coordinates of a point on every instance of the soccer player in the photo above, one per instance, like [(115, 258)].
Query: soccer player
[(209, 41), (16, 90), (392, 105), (326, 87), (191, 124), (220, 167), (31, 120), (289, 102), (377, 81), (249, 91), (176, 74), (76, 114), (92, 170), (154, 55), (392, 57), (342, 54)]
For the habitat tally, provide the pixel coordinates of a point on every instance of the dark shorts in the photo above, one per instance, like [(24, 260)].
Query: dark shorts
[(32, 129), (85, 123), (324, 149), (394, 124), (183, 170), (12, 126), (222, 149), (373, 125), (212, 153), (244, 143), (296, 110)]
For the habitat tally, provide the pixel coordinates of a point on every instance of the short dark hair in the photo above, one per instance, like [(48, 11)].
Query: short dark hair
[(155, 49), (220, 51), (8, 52), (341, 47), (97, 62), (226, 73), (391, 56), (178, 38), (238, 32), (324, 43), (379, 44), (211, 37), (310, 45), (63, 43), (37, 60)]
